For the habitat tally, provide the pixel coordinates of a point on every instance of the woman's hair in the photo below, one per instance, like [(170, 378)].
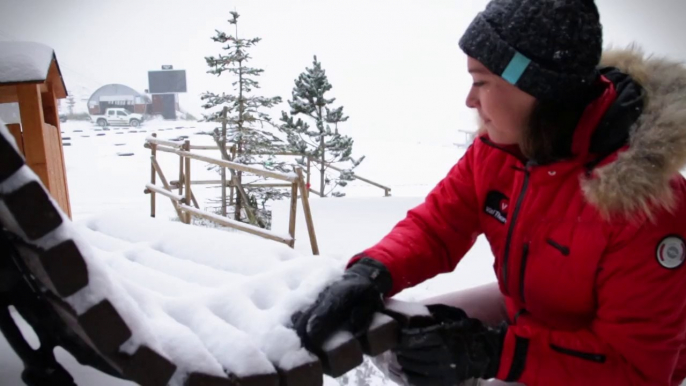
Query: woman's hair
[(549, 134)]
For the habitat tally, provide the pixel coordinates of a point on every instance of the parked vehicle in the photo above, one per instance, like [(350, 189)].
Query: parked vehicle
[(117, 116)]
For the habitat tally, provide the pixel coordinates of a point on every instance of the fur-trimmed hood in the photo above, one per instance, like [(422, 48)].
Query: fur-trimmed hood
[(638, 181)]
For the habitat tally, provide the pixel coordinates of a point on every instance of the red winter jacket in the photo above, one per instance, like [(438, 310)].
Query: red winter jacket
[(589, 252)]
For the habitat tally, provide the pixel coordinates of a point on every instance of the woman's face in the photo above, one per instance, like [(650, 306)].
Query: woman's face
[(503, 108)]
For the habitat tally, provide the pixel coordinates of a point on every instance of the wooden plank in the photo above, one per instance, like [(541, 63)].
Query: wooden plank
[(8, 94), (65, 268), (55, 167), (156, 141), (195, 202), (293, 214), (50, 107), (158, 169), (55, 80), (340, 354), (200, 379), (15, 130), (230, 165), (197, 182), (308, 374), (33, 211), (56, 159), (381, 336), (315, 192), (156, 189), (236, 224), (175, 183), (355, 176), (10, 160), (31, 112), (148, 368), (181, 181), (308, 214), (187, 178), (105, 327), (153, 154)]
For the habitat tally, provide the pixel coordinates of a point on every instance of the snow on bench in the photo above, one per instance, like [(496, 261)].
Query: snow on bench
[(165, 303)]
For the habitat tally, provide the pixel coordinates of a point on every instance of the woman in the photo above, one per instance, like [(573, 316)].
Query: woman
[(574, 181)]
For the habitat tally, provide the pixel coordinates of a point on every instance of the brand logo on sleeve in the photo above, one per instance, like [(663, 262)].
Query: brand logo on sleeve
[(497, 205), (671, 252)]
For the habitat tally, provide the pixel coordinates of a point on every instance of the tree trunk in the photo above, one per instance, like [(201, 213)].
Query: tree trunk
[(223, 146), (239, 147), (323, 169)]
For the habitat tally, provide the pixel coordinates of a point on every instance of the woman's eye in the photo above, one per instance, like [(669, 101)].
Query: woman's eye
[(478, 84)]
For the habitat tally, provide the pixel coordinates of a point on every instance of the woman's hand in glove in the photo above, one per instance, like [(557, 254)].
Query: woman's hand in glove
[(454, 349), (348, 303)]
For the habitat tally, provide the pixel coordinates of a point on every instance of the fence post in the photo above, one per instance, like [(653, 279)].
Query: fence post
[(294, 213), (153, 154), (187, 176), (306, 210), (181, 182)]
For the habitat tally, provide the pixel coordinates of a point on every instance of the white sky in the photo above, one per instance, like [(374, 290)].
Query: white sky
[(394, 64)]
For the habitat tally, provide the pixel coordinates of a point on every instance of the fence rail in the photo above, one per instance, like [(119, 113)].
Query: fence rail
[(386, 189), (183, 199)]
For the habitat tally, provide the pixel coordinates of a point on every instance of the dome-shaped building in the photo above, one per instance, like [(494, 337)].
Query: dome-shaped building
[(118, 95)]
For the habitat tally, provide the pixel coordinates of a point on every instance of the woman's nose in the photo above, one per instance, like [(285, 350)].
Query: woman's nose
[(472, 100)]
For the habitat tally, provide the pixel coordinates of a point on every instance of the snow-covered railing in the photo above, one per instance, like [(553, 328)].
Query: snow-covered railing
[(184, 199), (180, 323)]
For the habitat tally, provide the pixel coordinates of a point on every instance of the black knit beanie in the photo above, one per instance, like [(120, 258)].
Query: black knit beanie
[(548, 48)]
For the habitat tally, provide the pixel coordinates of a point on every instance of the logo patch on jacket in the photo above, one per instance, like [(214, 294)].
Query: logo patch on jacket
[(497, 205), (671, 252)]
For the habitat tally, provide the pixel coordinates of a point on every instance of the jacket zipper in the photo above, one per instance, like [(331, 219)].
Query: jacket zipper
[(522, 271), (599, 358), (510, 231)]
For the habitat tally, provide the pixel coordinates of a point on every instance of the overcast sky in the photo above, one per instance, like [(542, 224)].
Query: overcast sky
[(394, 64)]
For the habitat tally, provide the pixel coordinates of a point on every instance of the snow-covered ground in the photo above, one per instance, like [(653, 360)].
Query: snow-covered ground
[(107, 171)]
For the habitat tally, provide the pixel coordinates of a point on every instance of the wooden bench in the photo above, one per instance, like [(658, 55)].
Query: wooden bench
[(40, 266)]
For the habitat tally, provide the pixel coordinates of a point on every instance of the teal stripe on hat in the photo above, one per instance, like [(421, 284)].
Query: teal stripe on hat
[(516, 68)]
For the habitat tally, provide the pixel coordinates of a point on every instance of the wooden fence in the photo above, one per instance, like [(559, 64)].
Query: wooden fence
[(186, 206), (232, 150)]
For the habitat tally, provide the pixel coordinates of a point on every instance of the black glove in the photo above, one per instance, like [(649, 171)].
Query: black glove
[(348, 303), (454, 349)]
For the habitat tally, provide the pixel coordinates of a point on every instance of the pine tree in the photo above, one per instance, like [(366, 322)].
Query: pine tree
[(249, 127), (323, 144)]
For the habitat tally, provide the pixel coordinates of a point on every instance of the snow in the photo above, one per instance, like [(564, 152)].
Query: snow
[(407, 308), (336, 340), (217, 292), (24, 61), (215, 300)]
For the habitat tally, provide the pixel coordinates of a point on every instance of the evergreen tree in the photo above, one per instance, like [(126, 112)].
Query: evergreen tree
[(246, 126), (323, 144)]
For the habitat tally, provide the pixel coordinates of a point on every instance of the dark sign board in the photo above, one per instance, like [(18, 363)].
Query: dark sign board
[(167, 81)]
